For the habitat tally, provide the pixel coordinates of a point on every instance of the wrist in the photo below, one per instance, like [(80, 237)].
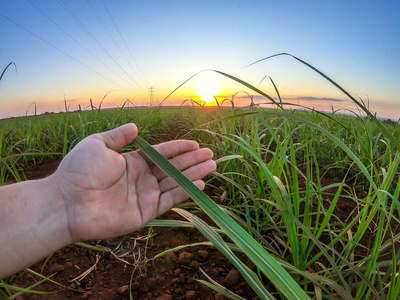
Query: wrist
[(55, 213), (33, 217)]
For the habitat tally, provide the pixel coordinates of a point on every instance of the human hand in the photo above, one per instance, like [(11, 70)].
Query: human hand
[(107, 194)]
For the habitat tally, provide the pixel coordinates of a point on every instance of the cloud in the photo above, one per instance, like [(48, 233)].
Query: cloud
[(309, 98), (292, 98)]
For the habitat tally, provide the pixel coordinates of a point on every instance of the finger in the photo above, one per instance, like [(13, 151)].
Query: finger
[(172, 148), (193, 173), (174, 197), (185, 161), (119, 137)]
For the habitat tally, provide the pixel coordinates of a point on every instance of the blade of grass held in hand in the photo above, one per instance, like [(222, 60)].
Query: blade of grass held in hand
[(261, 258)]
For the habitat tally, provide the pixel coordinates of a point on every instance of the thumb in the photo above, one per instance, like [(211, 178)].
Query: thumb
[(119, 137)]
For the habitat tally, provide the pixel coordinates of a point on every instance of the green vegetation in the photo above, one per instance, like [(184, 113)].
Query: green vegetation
[(285, 175), (29, 140), (5, 69), (311, 198)]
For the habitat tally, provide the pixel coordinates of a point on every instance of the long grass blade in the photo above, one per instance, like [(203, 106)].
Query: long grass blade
[(91, 247), (9, 65), (220, 244), (395, 142), (182, 247), (29, 289), (261, 258), (221, 290)]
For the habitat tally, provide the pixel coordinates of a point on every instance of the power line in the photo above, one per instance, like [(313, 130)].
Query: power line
[(111, 37), (123, 40), (109, 34), (76, 19), (43, 13), (58, 49)]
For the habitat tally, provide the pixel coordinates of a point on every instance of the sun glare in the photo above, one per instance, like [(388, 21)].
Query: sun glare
[(207, 91)]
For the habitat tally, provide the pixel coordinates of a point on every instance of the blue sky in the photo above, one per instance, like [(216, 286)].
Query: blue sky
[(356, 43)]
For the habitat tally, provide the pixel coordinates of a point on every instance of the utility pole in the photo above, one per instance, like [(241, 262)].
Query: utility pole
[(151, 95)]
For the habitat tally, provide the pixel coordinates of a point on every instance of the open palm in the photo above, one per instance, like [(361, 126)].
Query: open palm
[(107, 194)]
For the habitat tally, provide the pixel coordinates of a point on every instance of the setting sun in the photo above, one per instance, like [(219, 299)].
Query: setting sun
[(207, 91)]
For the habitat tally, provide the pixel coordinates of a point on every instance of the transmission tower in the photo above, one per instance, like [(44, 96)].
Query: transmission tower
[(151, 95)]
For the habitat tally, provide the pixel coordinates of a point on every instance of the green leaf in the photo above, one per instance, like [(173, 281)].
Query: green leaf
[(250, 277), (261, 258), (96, 248), (221, 290)]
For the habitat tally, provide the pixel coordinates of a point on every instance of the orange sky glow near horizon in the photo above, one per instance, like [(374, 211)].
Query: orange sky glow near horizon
[(241, 99), (141, 51)]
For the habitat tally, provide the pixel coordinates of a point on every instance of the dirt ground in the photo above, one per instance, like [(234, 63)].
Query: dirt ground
[(170, 277), (81, 273), (131, 264)]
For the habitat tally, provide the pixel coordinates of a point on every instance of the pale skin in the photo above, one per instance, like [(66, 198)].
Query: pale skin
[(95, 193)]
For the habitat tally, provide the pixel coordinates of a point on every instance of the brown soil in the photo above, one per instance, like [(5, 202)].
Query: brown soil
[(173, 276), (131, 267), (170, 277)]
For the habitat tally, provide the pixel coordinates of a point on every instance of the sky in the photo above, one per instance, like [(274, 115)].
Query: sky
[(71, 51)]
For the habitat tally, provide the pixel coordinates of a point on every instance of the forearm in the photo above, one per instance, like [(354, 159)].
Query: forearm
[(33, 224)]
